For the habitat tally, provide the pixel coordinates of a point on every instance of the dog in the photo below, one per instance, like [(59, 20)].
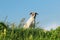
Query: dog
[(31, 21)]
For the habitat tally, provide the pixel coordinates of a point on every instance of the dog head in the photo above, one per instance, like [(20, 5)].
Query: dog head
[(33, 14)]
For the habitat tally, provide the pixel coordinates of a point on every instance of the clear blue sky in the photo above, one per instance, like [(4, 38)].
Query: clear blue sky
[(48, 10)]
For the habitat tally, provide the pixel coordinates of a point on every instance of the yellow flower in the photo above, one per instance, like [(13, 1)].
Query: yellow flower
[(4, 31)]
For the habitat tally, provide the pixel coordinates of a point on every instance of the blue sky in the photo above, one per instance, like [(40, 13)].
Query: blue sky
[(48, 10)]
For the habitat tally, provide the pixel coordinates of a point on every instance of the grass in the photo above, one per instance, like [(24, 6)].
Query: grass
[(17, 33)]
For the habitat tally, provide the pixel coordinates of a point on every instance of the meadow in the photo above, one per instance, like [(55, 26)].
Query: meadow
[(11, 32)]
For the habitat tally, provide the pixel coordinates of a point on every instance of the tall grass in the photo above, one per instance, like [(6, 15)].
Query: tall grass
[(17, 33)]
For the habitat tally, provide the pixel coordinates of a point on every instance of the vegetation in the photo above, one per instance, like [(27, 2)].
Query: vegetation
[(18, 33)]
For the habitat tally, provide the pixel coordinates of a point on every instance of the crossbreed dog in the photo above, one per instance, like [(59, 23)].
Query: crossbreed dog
[(31, 20)]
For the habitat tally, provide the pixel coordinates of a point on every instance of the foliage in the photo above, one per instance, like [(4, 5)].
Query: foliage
[(14, 33)]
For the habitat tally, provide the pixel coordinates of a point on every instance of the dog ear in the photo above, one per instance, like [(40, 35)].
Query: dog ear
[(36, 13), (30, 13)]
